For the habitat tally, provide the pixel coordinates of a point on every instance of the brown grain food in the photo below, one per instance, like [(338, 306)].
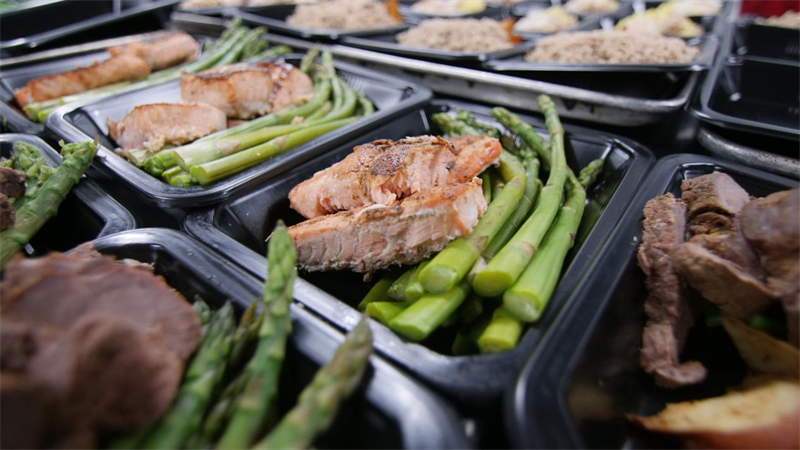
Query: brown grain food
[(458, 35), (343, 15)]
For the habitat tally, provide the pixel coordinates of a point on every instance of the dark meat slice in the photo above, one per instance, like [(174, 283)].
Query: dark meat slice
[(7, 213), (87, 250), (772, 226), (737, 293), (710, 222), (716, 192), (24, 408), (669, 308), (733, 247), (106, 374), (12, 182), (58, 290), (20, 341)]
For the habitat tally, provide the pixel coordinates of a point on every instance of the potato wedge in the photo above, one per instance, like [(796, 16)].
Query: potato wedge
[(761, 352), (764, 415)]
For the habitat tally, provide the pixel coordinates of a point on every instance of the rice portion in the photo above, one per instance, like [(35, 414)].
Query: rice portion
[(343, 15), (789, 19), (612, 47), (459, 35), (548, 20), (657, 21), (591, 6), (451, 8)]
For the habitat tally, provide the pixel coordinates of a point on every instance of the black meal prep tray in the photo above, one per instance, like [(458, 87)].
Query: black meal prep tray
[(392, 96), (237, 229), (389, 410), (274, 18), (765, 41), (49, 24), (85, 214), (576, 389)]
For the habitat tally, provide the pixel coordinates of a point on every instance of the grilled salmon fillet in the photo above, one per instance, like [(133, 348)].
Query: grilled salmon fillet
[(161, 52), (245, 90), (102, 73), (375, 237), (153, 126), (384, 171)]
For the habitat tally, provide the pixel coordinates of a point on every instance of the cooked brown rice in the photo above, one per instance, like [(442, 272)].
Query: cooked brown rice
[(343, 15), (460, 35)]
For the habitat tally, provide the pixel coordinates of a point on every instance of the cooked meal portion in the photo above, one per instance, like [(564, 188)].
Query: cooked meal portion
[(789, 19), (692, 8), (112, 70), (171, 50), (350, 15), (550, 20), (591, 6), (615, 47), (12, 186), (448, 7), (382, 172), (203, 4), (156, 125), (656, 21), (370, 238), (458, 35), (101, 343), (244, 91)]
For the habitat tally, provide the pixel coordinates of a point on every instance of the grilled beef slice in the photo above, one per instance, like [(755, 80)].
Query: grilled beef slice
[(772, 226), (7, 213), (12, 182), (24, 418), (715, 192), (669, 307)]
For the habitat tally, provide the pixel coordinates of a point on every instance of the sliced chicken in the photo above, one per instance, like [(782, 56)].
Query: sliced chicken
[(160, 53), (153, 126), (112, 70), (246, 90), (384, 171), (375, 237)]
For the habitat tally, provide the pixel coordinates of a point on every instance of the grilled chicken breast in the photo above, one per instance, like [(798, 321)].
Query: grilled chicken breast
[(245, 91), (162, 52), (374, 237), (102, 73), (384, 171), (153, 126)]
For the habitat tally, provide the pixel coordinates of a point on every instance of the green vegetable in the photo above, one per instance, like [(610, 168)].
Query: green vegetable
[(379, 292), (501, 334), (414, 290), (384, 312), (420, 319), (591, 172)]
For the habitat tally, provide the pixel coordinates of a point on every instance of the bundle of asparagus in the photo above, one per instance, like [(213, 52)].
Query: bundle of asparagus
[(227, 397), (45, 189), (219, 155), (237, 43), (515, 253)]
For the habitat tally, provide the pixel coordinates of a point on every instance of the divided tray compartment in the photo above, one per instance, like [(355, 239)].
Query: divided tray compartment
[(576, 389), (375, 416), (238, 227), (392, 96), (274, 18), (45, 24), (765, 41), (86, 213)]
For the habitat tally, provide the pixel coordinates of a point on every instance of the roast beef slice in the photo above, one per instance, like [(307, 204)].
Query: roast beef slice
[(715, 192), (8, 216), (20, 341), (24, 420), (12, 182), (659, 356)]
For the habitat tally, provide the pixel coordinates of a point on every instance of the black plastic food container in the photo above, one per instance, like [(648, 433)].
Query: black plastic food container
[(392, 96), (388, 411), (237, 228), (575, 391), (44, 24), (766, 41), (86, 214)]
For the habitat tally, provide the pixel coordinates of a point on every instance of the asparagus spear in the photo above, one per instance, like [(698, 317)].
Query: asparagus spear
[(334, 382), (269, 53), (384, 312), (379, 292), (420, 319), (397, 290), (203, 311), (505, 268), (497, 188), (264, 367), (528, 297), (470, 310), (501, 334), (591, 172), (202, 376), (486, 184), (526, 132), (321, 112), (414, 290), (218, 415), (37, 210)]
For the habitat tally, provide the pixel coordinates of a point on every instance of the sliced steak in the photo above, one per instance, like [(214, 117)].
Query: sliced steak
[(12, 182), (669, 308), (7, 213), (24, 420), (20, 341), (772, 226), (715, 193)]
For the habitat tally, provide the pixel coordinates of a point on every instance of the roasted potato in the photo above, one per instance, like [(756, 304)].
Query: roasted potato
[(762, 353)]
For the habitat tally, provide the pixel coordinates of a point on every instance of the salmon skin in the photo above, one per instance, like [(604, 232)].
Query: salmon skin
[(370, 238), (102, 73), (384, 171), (248, 90), (161, 52), (155, 125)]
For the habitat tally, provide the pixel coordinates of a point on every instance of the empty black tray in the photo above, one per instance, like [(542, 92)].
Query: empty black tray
[(86, 214), (376, 416), (392, 96), (237, 228), (576, 390), (766, 41)]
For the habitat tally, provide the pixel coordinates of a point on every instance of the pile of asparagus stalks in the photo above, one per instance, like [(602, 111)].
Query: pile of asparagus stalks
[(500, 277), (236, 44), (227, 398), (222, 154)]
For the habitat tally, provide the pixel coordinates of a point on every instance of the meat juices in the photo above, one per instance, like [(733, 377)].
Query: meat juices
[(375, 237), (669, 307), (248, 90), (155, 125)]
